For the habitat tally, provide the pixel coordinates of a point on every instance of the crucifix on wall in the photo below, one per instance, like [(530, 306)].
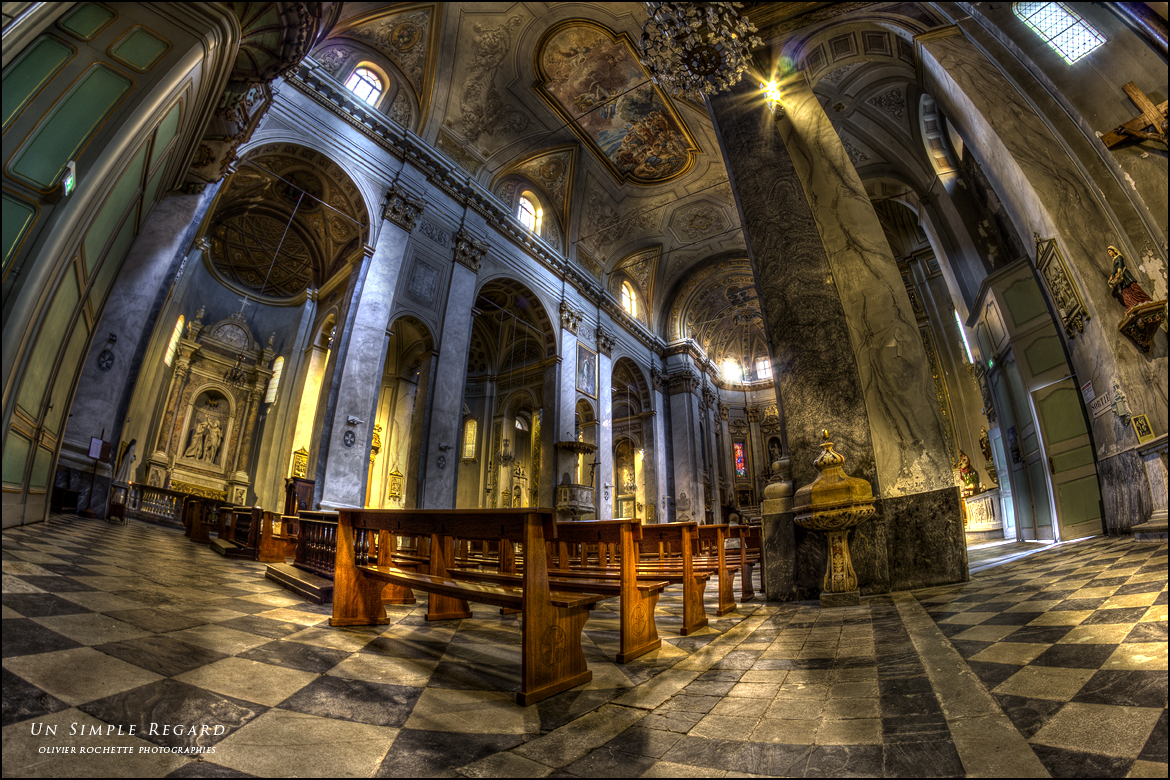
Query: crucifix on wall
[(1149, 125)]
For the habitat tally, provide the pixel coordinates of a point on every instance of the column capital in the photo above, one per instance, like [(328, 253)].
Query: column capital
[(402, 208), (571, 317), (605, 341), (657, 378), (469, 252), (724, 410), (685, 381)]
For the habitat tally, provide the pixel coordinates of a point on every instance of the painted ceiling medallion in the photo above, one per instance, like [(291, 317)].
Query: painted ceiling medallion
[(592, 79)]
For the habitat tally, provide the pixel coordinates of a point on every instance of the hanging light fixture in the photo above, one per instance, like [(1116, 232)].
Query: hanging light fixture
[(691, 48), (236, 375)]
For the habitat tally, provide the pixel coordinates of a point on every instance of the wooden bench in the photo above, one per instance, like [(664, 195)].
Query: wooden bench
[(551, 622), (747, 556), (239, 532), (199, 516), (278, 538), (638, 598)]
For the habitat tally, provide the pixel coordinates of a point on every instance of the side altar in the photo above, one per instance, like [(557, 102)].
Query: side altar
[(204, 441)]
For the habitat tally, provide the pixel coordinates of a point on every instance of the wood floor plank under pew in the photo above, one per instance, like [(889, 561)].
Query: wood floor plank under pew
[(552, 659), (638, 632)]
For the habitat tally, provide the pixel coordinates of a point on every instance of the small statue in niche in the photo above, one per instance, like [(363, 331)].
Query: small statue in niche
[(1125, 288), (195, 450), (1142, 315), (211, 446), (989, 464), (968, 476)]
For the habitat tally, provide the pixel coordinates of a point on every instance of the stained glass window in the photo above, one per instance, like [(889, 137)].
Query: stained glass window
[(1061, 27), (740, 465), (469, 431)]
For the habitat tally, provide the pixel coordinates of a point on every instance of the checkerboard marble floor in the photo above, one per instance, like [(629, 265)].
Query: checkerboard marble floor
[(1052, 665)]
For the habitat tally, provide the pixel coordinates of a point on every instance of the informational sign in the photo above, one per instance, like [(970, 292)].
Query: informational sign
[(1087, 391), (1141, 426), (1101, 404), (99, 450)]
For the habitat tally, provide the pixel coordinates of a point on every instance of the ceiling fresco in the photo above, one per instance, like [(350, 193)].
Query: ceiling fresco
[(592, 79), (552, 97)]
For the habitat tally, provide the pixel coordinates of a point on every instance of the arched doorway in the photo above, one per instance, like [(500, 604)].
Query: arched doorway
[(630, 400), (397, 440)]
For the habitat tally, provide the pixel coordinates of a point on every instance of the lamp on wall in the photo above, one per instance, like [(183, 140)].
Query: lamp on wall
[(691, 48)]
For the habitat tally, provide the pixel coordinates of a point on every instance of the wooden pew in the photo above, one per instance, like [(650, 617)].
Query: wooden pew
[(747, 557), (239, 532), (278, 538), (551, 622), (638, 598)]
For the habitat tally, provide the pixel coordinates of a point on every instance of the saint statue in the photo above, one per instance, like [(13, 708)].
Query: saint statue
[(968, 476), (126, 466), (1124, 286), (195, 450), (214, 437), (984, 444)]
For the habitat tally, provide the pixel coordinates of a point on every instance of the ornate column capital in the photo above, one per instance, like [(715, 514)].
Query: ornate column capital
[(402, 208), (710, 399), (657, 379), (753, 414), (724, 411), (469, 252), (571, 317), (685, 381), (605, 341)]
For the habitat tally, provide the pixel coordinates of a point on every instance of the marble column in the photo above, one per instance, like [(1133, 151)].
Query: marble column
[(685, 443), (553, 462), (662, 475), (605, 505), (565, 401), (847, 351), (709, 405), (440, 460), (349, 419)]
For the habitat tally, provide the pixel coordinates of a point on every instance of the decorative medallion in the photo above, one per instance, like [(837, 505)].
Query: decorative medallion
[(105, 360), (349, 438)]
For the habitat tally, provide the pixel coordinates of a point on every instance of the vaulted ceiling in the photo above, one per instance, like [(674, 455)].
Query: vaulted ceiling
[(549, 98)]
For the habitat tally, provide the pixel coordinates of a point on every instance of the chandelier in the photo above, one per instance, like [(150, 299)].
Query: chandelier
[(236, 375), (696, 48)]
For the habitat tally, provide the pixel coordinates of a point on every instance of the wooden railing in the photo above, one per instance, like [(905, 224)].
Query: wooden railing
[(317, 543)]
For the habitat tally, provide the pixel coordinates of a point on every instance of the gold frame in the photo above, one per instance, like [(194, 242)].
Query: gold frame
[(1062, 287)]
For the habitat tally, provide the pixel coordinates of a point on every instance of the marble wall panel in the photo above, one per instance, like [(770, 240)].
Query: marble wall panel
[(925, 544), (1125, 491)]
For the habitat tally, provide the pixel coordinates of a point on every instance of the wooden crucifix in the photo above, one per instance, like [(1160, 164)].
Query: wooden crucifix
[(1149, 125)]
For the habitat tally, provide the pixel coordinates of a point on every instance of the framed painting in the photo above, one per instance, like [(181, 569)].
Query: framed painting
[(586, 370)]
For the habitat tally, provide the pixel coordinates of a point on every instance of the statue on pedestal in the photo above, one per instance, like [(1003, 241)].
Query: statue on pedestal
[(1142, 315)]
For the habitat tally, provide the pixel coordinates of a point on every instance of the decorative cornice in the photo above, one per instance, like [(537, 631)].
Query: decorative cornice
[(571, 317), (469, 252), (605, 341), (402, 208)]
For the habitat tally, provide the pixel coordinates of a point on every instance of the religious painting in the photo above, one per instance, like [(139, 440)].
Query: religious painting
[(586, 370), (591, 78)]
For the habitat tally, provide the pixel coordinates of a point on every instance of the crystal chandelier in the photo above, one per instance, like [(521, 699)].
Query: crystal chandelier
[(696, 48)]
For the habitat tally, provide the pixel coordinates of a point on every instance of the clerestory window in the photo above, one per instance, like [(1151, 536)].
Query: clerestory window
[(366, 84), (1061, 28)]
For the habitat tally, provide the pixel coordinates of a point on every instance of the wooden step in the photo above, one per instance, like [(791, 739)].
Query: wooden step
[(316, 589)]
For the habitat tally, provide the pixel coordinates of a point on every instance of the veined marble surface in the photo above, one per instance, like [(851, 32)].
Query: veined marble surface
[(1045, 193), (357, 393), (904, 415)]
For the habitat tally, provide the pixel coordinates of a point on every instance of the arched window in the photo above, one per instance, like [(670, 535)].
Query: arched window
[(173, 346), (274, 382), (366, 84), (629, 301), (763, 368), (1061, 27), (529, 213), (469, 431)]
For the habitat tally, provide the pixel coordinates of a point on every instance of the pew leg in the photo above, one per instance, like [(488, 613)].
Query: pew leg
[(446, 608), (553, 660), (397, 594), (694, 614), (726, 592), (639, 634), (357, 601)]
